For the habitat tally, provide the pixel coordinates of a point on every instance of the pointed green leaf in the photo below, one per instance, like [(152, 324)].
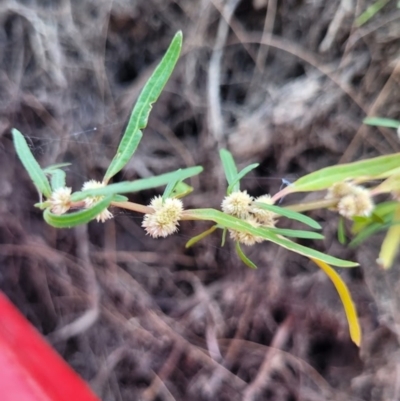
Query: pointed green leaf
[(296, 233), (199, 237), (239, 176), (367, 232), (138, 185), (170, 188), (345, 296), (382, 122), (42, 205), (234, 223), (230, 169), (76, 218), (223, 239), (341, 231), (31, 165), (289, 214), (370, 12), (141, 111), (49, 169), (243, 257), (326, 177)]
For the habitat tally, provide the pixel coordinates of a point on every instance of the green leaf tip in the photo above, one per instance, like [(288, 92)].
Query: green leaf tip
[(32, 167), (141, 111), (243, 257)]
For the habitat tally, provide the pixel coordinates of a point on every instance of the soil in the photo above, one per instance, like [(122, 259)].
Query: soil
[(285, 84)]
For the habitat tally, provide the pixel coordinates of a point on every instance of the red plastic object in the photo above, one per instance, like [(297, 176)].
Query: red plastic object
[(30, 370)]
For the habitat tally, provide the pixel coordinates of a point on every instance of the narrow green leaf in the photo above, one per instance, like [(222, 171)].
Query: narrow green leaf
[(233, 186), (390, 245), (199, 237), (367, 232), (341, 231), (53, 167), (31, 165), (42, 205), (382, 122), (141, 111), (243, 257), (57, 179), (370, 12), (223, 239), (296, 233), (170, 188), (289, 214), (76, 218), (345, 296), (326, 177), (233, 223), (138, 185), (230, 169)]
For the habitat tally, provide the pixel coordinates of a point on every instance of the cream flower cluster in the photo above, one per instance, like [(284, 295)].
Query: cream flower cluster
[(353, 200), (165, 219), (60, 200), (240, 204), (91, 200)]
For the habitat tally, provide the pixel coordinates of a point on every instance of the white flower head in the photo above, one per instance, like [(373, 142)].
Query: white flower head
[(92, 200), (60, 200), (245, 237), (237, 204), (354, 200), (340, 189), (165, 219), (263, 216), (347, 207), (363, 202)]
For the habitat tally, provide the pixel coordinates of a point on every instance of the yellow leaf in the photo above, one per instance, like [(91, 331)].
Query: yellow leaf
[(344, 293)]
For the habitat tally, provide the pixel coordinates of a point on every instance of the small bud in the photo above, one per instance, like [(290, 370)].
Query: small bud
[(60, 200), (165, 219), (237, 204)]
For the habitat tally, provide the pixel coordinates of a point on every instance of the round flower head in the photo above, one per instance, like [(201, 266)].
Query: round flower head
[(263, 216), (237, 204), (92, 200), (354, 200), (60, 200), (347, 206), (244, 237), (165, 219), (363, 202), (339, 190)]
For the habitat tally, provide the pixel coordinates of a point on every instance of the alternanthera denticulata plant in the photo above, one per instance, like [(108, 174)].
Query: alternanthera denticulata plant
[(246, 220)]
